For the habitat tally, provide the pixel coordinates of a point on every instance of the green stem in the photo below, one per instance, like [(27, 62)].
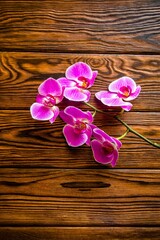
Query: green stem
[(129, 129), (123, 135), (93, 115), (96, 109), (137, 134)]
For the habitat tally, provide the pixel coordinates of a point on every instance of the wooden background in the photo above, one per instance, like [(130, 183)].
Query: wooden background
[(47, 189)]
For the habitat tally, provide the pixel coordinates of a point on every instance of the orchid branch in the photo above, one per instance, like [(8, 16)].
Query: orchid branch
[(96, 109), (137, 134), (129, 129), (123, 135)]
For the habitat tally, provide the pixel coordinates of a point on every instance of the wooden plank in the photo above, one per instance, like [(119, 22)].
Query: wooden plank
[(21, 74), (27, 142), (79, 233), (79, 197), (83, 26)]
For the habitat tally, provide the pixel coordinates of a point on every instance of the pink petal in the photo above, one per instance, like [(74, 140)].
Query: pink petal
[(66, 82), (105, 94), (99, 153), (91, 81), (130, 83), (115, 158), (73, 139), (93, 126), (127, 106), (101, 135), (87, 94), (55, 109), (77, 70), (112, 101), (116, 85), (117, 102), (50, 86), (117, 142), (89, 134), (39, 98), (77, 113), (75, 94), (40, 112), (134, 94), (66, 118)]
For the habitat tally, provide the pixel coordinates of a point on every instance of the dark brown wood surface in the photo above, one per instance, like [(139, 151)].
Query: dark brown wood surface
[(47, 189), (76, 26)]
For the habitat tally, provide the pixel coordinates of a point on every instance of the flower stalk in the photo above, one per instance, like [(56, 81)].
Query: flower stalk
[(129, 129), (138, 134), (123, 135)]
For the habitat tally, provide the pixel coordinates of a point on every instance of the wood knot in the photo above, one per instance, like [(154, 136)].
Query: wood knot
[(85, 185)]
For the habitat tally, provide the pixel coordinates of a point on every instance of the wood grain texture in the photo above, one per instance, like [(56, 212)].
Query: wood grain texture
[(79, 197), (79, 233), (27, 142), (21, 74), (47, 189), (81, 26)]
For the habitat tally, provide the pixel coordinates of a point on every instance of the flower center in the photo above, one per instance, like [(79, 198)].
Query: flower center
[(108, 149), (80, 127), (124, 92), (83, 82), (49, 101)]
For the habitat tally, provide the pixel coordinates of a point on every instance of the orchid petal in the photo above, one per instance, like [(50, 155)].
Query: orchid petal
[(116, 85), (112, 101), (50, 86), (126, 106), (115, 158), (117, 102), (75, 94), (73, 139), (40, 112), (99, 153), (89, 134), (66, 82), (87, 94), (93, 126), (130, 83), (66, 118), (101, 135), (117, 142), (77, 70), (91, 81), (105, 94), (55, 109), (78, 113), (39, 98)]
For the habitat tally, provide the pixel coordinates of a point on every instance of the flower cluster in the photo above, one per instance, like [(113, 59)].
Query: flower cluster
[(79, 128)]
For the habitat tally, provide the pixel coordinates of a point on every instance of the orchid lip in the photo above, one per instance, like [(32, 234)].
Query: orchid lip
[(124, 92), (83, 82), (80, 127), (108, 149), (49, 101)]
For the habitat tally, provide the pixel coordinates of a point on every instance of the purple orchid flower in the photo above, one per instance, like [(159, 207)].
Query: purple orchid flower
[(79, 77), (50, 94), (78, 129), (120, 92), (105, 148)]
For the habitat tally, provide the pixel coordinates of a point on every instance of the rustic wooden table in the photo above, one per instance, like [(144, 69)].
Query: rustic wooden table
[(47, 189)]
